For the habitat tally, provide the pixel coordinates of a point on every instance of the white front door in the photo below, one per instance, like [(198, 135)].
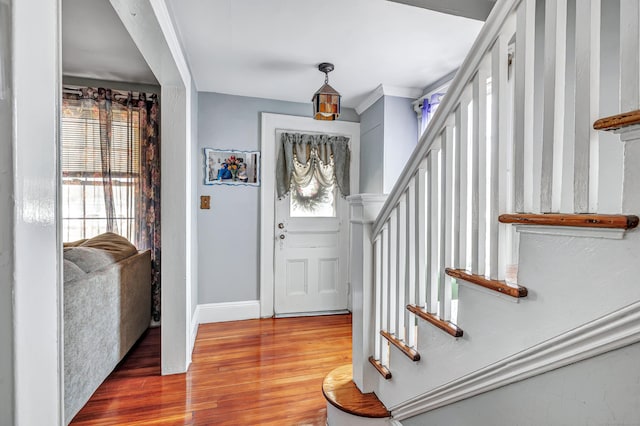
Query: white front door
[(311, 254)]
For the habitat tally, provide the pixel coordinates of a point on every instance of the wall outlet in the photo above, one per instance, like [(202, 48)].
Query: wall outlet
[(205, 201)]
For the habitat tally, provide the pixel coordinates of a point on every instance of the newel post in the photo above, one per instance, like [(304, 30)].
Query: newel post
[(364, 209)]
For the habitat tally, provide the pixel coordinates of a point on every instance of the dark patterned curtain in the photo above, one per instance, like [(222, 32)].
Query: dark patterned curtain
[(115, 136), (149, 213)]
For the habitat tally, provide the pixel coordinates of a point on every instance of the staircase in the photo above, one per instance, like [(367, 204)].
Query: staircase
[(508, 247)]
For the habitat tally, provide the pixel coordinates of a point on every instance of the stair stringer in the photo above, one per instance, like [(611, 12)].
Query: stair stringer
[(582, 289)]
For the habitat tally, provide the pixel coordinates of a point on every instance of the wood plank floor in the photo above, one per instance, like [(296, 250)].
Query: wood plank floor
[(256, 372)]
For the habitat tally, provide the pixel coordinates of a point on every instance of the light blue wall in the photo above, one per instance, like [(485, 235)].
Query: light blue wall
[(372, 148), (400, 137), (388, 136), (228, 239), (604, 390), (6, 221)]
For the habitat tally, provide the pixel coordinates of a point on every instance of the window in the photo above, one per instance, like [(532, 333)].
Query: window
[(98, 171), (313, 200)]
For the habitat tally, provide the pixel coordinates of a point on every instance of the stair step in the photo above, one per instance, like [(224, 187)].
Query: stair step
[(338, 388), (384, 371), (619, 121), (495, 285), (408, 351), (446, 326), (614, 221)]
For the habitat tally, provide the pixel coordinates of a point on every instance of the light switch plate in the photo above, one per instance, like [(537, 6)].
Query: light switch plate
[(205, 201)]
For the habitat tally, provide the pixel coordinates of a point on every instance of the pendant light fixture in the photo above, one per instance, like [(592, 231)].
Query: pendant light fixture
[(326, 101)]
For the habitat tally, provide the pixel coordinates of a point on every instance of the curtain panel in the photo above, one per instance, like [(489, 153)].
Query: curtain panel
[(128, 148), (302, 157)]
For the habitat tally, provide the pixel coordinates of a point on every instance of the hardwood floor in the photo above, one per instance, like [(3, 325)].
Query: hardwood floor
[(256, 372)]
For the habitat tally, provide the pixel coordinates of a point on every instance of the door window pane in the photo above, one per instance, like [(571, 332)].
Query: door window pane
[(313, 200)]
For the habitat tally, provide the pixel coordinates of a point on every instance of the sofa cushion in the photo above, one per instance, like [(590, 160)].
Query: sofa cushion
[(72, 271), (88, 259), (98, 252)]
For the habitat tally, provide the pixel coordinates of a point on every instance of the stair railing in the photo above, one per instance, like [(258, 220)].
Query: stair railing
[(513, 134)]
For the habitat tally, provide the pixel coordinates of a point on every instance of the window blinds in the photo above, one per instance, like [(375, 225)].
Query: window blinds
[(81, 153)]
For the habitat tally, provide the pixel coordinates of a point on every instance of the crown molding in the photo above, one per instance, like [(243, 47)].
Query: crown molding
[(385, 90)]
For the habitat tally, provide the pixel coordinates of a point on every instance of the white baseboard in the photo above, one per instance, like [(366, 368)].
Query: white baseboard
[(228, 311), (194, 328)]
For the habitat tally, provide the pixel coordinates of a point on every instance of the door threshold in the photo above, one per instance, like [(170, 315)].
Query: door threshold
[(312, 314)]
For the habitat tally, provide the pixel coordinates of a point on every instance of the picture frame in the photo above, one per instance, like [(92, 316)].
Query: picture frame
[(231, 167)]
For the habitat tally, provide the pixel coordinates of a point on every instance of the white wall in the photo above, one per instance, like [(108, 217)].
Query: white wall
[(599, 391), (228, 245), (149, 24), (6, 219), (37, 276)]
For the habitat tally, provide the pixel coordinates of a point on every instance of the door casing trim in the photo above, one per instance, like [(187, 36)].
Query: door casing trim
[(269, 124)]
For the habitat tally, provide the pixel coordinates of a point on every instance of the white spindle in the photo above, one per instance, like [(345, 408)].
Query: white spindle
[(393, 272), (553, 113), (421, 234), (384, 324), (433, 232), (498, 147), (523, 106), (402, 268), (455, 219), (587, 101), (377, 250), (629, 55), (462, 124), (447, 152), (479, 172), (412, 260)]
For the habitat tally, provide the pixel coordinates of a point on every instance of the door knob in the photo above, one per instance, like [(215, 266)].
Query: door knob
[(282, 237), (281, 225)]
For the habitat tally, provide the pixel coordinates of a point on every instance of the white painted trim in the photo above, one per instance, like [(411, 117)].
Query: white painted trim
[(610, 332), (34, 179), (629, 133), (571, 231), (401, 92), (227, 311), (384, 90), (173, 41), (270, 123), (195, 323), (371, 99)]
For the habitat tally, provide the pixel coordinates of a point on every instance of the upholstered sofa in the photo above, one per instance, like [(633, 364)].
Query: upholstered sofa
[(107, 307)]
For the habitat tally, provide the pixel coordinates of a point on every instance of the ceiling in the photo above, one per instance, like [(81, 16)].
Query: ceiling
[(271, 49), (95, 44)]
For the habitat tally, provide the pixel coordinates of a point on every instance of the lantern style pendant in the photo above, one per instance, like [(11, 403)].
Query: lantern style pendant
[(326, 101)]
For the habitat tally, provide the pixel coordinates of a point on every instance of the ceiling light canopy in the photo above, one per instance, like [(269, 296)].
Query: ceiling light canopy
[(326, 101)]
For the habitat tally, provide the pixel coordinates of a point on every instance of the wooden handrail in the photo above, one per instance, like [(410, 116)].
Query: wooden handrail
[(384, 371), (446, 326), (495, 285), (613, 221), (408, 351), (338, 388), (616, 122)]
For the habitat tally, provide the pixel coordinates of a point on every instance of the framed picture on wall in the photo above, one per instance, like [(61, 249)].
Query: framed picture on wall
[(229, 167)]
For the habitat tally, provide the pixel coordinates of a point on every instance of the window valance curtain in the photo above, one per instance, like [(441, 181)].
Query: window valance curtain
[(303, 157)]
